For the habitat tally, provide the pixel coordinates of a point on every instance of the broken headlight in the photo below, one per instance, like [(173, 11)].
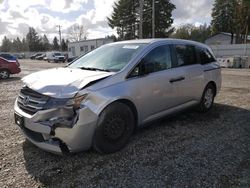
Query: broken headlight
[(76, 101), (55, 103)]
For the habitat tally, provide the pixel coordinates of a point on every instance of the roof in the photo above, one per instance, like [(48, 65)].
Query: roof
[(148, 41)]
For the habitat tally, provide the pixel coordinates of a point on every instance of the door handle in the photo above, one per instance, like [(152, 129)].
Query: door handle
[(177, 79)]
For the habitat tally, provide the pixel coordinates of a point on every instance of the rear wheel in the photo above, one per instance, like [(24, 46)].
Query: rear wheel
[(114, 128), (207, 99), (4, 74)]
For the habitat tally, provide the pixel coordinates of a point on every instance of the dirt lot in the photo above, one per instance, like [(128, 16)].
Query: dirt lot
[(187, 150)]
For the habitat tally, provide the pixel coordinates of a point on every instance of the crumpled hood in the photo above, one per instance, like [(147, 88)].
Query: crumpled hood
[(62, 82)]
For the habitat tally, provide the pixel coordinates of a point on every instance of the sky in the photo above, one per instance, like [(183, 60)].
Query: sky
[(44, 15)]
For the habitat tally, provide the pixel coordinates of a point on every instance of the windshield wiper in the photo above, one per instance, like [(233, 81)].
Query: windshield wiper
[(94, 69)]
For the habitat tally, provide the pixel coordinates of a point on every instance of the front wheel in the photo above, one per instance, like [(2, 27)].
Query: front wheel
[(207, 99), (114, 128), (4, 74)]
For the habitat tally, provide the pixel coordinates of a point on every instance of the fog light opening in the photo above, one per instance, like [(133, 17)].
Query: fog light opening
[(62, 145)]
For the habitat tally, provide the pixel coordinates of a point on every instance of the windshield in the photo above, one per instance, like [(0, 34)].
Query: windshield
[(109, 57), (58, 54)]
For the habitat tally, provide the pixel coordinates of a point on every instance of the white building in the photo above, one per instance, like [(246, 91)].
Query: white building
[(83, 47)]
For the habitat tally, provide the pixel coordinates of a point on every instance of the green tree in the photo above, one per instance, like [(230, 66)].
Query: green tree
[(64, 45), (243, 20), (125, 18), (55, 44), (191, 32), (6, 45), (25, 46), (183, 32), (163, 18), (33, 40), (113, 37), (201, 33), (17, 45), (45, 43), (231, 16)]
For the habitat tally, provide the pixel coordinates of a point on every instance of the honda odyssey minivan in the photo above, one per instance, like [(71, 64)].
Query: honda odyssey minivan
[(99, 99)]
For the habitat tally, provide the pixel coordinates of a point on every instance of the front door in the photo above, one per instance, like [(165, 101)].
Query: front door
[(151, 79)]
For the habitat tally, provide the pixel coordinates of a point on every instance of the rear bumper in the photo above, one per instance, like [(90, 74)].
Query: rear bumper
[(50, 130)]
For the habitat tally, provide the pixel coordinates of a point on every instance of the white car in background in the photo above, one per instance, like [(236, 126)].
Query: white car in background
[(55, 57)]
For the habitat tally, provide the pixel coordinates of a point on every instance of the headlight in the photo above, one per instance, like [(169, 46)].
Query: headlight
[(55, 103), (76, 101)]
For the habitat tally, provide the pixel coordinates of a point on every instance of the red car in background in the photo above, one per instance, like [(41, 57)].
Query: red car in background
[(8, 67)]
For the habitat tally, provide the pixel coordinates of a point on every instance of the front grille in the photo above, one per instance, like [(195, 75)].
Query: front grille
[(31, 101)]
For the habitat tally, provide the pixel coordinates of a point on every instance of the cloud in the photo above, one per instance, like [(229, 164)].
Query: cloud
[(193, 11), (44, 15), (3, 28), (65, 6)]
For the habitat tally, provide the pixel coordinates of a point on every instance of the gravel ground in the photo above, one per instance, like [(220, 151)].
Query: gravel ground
[(186, 150)]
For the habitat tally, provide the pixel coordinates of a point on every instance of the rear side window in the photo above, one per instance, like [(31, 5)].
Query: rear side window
[(205, 56), (185, 54)]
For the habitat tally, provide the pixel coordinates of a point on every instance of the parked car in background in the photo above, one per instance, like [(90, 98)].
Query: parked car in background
[(45, 58), (70, 59), (55, 57), (40, 57), (101, 98), (8, 56), (8, 67), (19, 55), (35, 55)]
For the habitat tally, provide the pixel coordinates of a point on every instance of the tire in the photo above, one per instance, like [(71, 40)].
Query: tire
[(207, 99), (114, 128), (4, 74)]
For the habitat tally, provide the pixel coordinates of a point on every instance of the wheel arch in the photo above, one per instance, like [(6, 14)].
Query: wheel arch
[(130, 104), (213, 84)]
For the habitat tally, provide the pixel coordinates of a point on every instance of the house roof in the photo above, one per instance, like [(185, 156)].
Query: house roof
[(229, 34)]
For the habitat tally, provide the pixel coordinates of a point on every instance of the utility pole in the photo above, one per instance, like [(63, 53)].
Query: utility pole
[(153, 18), (60, 36), (141, 18), (246, 35)]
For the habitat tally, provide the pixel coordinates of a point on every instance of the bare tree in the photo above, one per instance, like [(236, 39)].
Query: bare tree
[(77, 33)]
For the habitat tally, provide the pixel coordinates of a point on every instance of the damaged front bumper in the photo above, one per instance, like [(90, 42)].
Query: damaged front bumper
[(58, 130)]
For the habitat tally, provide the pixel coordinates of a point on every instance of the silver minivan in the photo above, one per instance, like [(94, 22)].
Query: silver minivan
[(99, 99)]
